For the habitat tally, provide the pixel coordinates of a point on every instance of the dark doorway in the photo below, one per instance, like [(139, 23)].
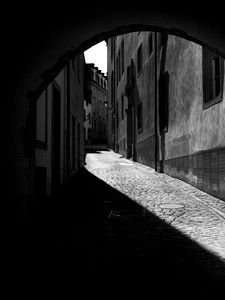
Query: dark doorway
[(56, 95)]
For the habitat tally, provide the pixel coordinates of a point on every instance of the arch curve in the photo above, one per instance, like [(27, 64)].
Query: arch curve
[(40, 40), (48, 38)]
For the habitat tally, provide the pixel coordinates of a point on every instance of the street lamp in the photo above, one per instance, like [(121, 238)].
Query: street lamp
[(106, 104)]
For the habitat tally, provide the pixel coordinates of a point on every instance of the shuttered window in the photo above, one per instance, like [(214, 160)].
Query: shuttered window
[(213, 76)]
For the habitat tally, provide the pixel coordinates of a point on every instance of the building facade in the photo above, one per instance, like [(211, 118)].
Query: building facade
[(166, 107), (58, 147), (96, 83), (87, 122)]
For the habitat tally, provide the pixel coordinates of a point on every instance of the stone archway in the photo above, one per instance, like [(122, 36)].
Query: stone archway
[(39, 42)]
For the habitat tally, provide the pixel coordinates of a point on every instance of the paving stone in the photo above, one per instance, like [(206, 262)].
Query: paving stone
[(197, 214)]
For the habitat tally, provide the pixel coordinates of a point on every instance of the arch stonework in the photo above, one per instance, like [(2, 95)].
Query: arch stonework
[(40, 41), (44, 40)]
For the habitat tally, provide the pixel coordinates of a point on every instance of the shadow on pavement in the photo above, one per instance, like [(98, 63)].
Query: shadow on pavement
[(77, 241), (95, 148)]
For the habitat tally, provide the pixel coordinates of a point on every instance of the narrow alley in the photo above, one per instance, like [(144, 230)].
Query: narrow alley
[(113, 156), (134, 229)]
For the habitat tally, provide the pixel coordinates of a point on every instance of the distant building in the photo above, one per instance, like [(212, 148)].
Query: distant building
[(96, 83), (179, 127), (87, 122)]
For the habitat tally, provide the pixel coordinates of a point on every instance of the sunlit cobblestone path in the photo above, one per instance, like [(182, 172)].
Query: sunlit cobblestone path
[(196, 214)]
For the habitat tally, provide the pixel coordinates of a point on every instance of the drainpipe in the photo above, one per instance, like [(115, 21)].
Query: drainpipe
[(156, 103), (114, 93)]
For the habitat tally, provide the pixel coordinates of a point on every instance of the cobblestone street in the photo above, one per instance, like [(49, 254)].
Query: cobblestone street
[(193, 212), (187, 210), (118, 228)]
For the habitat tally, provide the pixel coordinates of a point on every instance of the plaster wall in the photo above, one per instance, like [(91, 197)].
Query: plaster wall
[(61, 80), (99, 114), (194, 142), (77, 107), (143, 91), (43, 156), (191, 128)]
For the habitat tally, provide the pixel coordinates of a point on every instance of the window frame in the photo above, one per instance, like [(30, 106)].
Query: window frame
[(208, 78)]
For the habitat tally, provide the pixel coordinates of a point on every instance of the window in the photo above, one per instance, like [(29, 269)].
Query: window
[(122, 108), (150, 45), (213, 72), (139, 117), (120, 63), (139, 59)]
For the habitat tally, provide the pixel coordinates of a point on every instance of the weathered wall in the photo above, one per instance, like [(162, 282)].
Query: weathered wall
[(194, 143), (192, 148), (77, 110), (61, 81), (146, 94), (43, 152), (98, 100), (110, 98), (143, 91)]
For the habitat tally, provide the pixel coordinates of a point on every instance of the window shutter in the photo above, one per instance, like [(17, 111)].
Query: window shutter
[(207, 75)]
